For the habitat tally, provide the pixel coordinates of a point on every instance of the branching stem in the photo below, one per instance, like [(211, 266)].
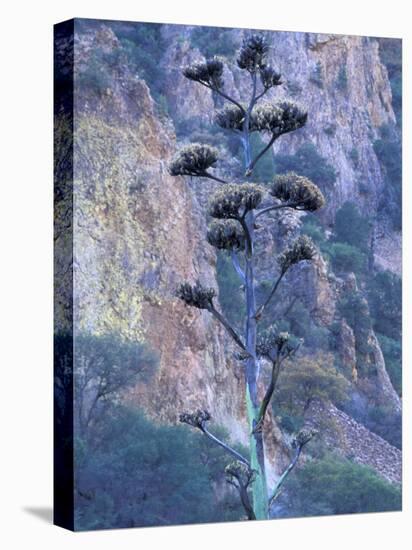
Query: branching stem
[(227, 326), (285, 474), (231, 451)]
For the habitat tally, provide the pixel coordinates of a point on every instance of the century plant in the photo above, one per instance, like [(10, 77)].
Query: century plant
[(235, 209)]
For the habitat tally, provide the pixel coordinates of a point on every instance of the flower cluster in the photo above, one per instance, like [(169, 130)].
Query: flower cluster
[(298, 190), (207, 72), (226, 234), (270, 340), (193, 160), (196, 296), (304, 436), (252, 54), (196, 419), (230, 117), (230, 198), (269, 77), (277, 118), (302, 249)]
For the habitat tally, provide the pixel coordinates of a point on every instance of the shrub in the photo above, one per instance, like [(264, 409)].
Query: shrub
[(307, 162), (346, 258), (385, 300), (310, 378), (351, 226), (337, 486), (137, 476), (392, 353), (214, 41), (313, 228), (342, 79)]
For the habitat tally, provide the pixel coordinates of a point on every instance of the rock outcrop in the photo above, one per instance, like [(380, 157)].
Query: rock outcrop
[(343, 435)]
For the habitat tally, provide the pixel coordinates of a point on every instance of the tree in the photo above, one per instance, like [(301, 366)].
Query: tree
[(236, 208), (311, 378), (352, 227), (105, 365), (137, 476)]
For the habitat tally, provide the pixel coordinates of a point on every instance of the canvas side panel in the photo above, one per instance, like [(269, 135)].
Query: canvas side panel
[(63, 274)]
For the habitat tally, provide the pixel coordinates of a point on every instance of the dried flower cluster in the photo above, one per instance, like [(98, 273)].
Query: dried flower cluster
[(298, 190), (230, 117), (196, 295), (207, 72), (193, 160), (231, 198), (302, 249), (226, 235), (269, 77), (271, 339), (304, 436), (252, 54), (240, 471), (196, 419), (277, 118)]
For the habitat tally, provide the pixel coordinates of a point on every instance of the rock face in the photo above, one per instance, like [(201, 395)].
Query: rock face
[(138, 232), (356, 442)]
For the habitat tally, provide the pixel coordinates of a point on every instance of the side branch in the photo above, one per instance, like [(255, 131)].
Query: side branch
[(269, 392), (231, 451), (285, 474), (224, 95), (259, 312), (302, 438), (249, 244), (198, 419), (275, 207), (211, 176), (227, 326), (260, 155)]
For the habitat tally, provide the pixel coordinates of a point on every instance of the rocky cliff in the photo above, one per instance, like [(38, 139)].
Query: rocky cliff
[(138, 232)]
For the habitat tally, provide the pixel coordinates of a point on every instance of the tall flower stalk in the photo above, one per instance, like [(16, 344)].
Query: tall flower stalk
[(235, 208)]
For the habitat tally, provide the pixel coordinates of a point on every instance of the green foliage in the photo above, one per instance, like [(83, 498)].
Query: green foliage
[(302, 325), (388, 149), (104, 367), (316, 76), (351, 226), (312, 227), (342, 79), (385, 299), (94, 76), (336, 486), (310, 378), (212, 41), (384, 422), (307, 162), (138, 476), (346, 258), (143, 46), (392, 353)]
